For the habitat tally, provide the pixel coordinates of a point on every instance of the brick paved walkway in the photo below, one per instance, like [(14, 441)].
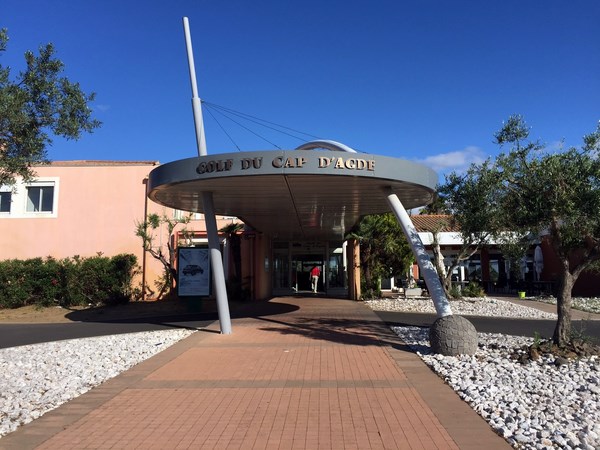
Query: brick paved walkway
[(297, 373)]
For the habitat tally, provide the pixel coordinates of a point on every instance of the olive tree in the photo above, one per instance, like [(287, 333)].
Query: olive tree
[(555, 194), (36, 104), (472, 213), (145, 230)]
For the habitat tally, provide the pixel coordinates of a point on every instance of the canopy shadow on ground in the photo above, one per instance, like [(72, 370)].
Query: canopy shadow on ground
[(502, 325), (178, 312), (340, 331)]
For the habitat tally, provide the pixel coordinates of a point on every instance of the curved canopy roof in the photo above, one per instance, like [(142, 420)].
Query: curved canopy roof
[(293, 194)]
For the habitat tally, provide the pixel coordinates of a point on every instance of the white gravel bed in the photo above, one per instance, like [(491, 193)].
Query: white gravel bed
[(533, 406), (536, 405), (35, 379), (485, 306), (586, 304)]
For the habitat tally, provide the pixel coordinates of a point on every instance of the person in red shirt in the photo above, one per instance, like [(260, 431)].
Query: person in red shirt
[(315, 273)]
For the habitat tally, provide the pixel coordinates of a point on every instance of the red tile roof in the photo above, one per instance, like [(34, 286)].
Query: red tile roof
[(85, 162), (437, 222)]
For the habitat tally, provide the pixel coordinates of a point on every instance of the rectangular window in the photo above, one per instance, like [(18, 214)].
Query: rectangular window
[(5, 199), (40, 199)]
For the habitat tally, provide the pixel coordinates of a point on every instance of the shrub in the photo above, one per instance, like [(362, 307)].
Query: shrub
[(455, 291), (12, 279), (68, 282), (370, 294), (473, 289)]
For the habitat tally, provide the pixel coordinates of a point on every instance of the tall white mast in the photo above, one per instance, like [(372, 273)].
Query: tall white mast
[(214, 246)]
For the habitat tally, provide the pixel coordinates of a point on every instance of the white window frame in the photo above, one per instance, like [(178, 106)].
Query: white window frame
[(41, 185), (19, 196), (9, 190)]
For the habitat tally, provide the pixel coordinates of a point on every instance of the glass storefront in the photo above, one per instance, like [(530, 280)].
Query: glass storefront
[(293, 262)]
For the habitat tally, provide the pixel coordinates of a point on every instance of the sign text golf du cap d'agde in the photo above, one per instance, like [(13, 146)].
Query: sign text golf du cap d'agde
[(282, 162)]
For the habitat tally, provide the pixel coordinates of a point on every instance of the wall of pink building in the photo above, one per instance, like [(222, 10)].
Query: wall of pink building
[(97, 209)]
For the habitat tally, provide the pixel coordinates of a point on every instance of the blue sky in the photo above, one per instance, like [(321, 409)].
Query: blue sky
[(424, 80)]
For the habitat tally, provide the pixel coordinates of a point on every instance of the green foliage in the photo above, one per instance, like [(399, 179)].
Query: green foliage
[(469, 199), (145, 231), (436, 207), (370, 294), (33, 281), (454, 291), (473, 289), (67, 282), (37, 104), (548, 191), (579, 333), (537, 339), (533, 192), (384, 251), (236, 288), (234, 239)]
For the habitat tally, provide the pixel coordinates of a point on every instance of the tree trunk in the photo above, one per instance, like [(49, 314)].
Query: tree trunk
[(366, 266), (438, 262), (236, 250), (447, 284), (562, 332)]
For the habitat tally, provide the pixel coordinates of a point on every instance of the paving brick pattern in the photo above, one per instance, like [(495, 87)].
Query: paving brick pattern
[(323, 374)]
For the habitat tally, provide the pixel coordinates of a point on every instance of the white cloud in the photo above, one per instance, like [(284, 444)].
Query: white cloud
[(102, 108), (457, 161)]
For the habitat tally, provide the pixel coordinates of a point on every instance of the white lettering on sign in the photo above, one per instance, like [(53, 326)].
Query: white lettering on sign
[(214, 166), (288, 162), (247, 163), (348, 163)]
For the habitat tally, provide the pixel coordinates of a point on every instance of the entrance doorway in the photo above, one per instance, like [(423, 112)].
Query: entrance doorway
[(301, 268), (293, 261)]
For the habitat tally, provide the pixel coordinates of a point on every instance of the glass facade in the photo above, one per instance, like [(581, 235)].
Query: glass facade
[(293, 261)]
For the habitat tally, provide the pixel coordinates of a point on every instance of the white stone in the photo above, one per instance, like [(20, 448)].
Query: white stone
[(37, 378), (537, 404)]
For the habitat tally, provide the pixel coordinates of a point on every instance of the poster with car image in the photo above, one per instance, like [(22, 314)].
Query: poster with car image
[(193, 275)]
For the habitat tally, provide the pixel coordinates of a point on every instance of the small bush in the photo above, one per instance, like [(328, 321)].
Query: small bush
[(473, 289), (66, 282), (12, 279), (371, 294), (455, 291)]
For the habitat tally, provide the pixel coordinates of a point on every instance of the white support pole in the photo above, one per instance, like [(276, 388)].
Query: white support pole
[(196, 102), (216, 260), (216, 264), (429, 273)]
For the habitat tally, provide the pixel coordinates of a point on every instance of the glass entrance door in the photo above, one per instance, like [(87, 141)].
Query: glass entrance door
[(302, 265), (293, 261)]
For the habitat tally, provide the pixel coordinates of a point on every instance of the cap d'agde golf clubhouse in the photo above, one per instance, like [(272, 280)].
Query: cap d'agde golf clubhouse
[(298, 205)]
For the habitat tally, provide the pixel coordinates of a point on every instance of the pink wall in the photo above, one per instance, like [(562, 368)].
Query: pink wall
[(97, 207)]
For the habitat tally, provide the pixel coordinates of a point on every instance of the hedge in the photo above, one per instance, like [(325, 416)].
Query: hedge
[(67, 282)]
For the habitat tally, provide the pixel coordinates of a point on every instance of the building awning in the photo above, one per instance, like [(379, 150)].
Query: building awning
[(293, 194)]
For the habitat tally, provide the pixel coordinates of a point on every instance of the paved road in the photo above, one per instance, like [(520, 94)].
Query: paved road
[(12, 335), (518, 327)]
